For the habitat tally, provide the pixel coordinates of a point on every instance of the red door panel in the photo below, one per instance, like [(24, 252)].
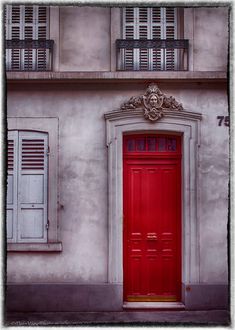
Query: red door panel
[(152, 226)]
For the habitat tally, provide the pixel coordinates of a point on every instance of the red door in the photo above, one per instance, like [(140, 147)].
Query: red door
[(152, 218)]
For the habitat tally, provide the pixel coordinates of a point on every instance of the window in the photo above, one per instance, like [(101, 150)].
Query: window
[(27, 33), (27, 186), (32, 194), (150, 40)]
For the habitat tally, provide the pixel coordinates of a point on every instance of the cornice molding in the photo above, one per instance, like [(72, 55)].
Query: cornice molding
[(115, 76), (120, 114)]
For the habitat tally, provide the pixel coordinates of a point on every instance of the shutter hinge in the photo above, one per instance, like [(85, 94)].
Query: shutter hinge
[(47, 225), (48, 151)]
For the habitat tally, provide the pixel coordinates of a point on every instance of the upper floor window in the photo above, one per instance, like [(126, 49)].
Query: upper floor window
[(27, 34), (151, 40)]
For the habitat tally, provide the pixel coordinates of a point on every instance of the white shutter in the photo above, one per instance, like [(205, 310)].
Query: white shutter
[(32, 187), (170, 24), (143, 32), (36, 27), (29, 32), (149, 23), (12, 168), (157, 33), (42, 19), (13, 27), (129, 33)]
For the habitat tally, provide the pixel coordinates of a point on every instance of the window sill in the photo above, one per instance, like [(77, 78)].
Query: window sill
[(34, 247)]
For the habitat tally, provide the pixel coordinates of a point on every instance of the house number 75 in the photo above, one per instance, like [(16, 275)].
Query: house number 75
[(223, 120)]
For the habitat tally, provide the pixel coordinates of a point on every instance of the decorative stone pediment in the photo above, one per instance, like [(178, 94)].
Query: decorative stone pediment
[(153, 103)]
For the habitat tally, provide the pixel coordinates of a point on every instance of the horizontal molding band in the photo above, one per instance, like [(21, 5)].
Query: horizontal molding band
[(34, 247), (117, 76)]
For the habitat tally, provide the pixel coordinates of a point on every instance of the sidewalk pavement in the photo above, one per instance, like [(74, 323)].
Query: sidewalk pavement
[(144, 318)]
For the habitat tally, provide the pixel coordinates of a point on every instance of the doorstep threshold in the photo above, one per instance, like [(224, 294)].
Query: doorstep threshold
[(157, 305)]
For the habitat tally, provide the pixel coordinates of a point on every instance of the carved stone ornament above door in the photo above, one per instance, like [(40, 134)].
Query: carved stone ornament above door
[(153, 103)]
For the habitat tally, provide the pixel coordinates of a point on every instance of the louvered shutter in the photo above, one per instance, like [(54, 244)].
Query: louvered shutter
[(13, 31), (12, 168), (129, 33), (170, 20), (27, 22), (32, 203), (27, 187), (42, 18), (149, 23), (143, 32), (157, 33)]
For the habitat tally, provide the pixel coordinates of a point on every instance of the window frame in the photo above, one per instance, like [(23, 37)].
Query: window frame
[(49, 125)]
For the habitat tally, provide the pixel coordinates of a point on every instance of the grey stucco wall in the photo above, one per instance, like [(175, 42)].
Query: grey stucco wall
[(84, 38), (210, 35), (83, 177), (87, 35)]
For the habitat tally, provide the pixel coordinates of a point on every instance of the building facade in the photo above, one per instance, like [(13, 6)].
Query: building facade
[(118, 158)]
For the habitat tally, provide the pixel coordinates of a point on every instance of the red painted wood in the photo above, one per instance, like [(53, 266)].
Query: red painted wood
[(152, 223)]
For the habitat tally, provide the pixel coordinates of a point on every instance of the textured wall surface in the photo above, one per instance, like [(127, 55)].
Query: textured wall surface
[(210, 39), (83, 177), (87, 38), (84, 38)]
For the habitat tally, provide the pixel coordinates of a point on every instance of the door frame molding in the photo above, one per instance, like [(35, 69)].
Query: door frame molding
[(184, 123)]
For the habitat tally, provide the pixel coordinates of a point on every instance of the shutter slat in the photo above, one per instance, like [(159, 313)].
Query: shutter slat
[(129, 59), (10, 155), (144, 59), (15, 14), (15, 59), (156, 32), (170, 15), (28, 14), (129, 15), (31, 148), (42, 14), (15, 32), (143, 32), (143, 15), (156, 15)]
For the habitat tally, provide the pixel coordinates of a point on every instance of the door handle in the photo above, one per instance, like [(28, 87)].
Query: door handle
[(151, 237)]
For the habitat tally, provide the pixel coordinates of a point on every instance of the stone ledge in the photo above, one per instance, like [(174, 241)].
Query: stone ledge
[(117, 76), (72, 297), (34, 247), (130, 318)]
